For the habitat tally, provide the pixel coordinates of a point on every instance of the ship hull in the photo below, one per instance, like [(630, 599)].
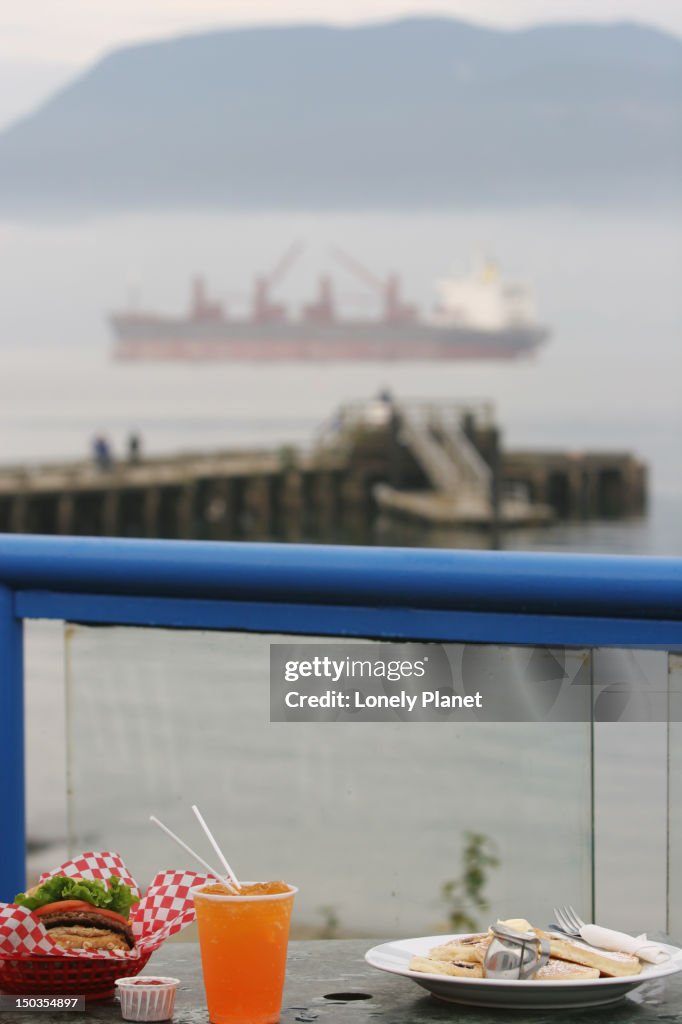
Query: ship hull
[(155, 338)]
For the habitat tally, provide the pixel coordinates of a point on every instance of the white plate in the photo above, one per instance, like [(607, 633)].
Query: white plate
[(394, 957)]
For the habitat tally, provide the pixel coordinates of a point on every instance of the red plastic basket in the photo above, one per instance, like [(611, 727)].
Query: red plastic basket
[(65, 975)]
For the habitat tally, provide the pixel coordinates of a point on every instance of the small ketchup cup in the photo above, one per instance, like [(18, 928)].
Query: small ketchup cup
[(145, 998)]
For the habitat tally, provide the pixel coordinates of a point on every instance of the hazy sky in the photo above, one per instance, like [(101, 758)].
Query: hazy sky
[(42, 43), (77, 30)]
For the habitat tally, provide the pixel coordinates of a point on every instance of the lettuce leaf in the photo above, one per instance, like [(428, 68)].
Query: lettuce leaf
[(116, 896)]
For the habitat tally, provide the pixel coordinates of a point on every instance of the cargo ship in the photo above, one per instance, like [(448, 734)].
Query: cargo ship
[(475, 316)]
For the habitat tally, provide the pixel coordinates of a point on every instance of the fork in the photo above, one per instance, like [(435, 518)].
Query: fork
[(573, 925), (569, 921)]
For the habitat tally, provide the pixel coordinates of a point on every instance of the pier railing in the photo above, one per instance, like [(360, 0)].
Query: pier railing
[(194, 623)]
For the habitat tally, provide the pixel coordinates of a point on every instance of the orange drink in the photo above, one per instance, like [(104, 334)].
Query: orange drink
[(243, 937)]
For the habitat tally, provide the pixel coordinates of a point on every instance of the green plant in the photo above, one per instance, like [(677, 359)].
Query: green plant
[(464, 897), (330, 922)]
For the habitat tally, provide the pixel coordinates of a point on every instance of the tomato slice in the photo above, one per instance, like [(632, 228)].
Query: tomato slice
[(64, 905)]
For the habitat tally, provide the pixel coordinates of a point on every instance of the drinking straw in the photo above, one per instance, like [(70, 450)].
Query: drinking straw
[(233, 878), (193, 853)]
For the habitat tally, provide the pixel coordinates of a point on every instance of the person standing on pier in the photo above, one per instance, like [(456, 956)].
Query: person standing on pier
[(134, 449), (101, 450)]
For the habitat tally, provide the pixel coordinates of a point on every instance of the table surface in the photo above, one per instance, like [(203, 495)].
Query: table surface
[(317, 970)]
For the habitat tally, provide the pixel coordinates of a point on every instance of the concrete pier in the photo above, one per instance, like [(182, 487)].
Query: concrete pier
[(440, 462), (579, 484), (230, 494)]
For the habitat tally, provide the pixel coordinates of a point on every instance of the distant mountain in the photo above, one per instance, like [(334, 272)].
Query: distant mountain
[(421, 112)]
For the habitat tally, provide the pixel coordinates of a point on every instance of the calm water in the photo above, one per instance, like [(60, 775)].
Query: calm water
[(608, 284)]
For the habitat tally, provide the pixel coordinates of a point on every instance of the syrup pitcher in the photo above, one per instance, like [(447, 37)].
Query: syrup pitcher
[(514, 955)]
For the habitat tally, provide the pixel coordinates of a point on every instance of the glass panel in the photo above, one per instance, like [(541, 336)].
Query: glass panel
[(630, 788), (370, 819), (675, 795), (45, 748)]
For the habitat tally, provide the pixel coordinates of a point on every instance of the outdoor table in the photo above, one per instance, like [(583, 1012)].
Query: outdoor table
[(323, 968)]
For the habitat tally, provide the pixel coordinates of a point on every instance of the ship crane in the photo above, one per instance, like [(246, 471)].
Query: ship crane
[(203, 308), (395, 310), (321, 310), (265, 311)]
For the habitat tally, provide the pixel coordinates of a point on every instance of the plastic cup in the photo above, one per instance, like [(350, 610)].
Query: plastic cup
[(146, 998), (243, 941)]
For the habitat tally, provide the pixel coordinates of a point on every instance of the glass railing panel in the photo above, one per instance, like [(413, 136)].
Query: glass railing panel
[(45, 758), (370, 819), (675, 796), (631, 708)]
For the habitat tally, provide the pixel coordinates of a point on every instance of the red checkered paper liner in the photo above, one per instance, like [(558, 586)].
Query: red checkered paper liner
[(165, 909)]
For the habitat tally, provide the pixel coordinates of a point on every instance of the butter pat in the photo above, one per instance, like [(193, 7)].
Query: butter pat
[(517, 924)]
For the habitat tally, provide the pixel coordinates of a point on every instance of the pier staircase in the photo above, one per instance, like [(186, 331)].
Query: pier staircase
[(449, 460), (424, 464)]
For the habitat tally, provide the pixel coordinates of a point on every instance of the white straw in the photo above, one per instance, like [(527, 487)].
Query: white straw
[(193, 853), (233, 878)]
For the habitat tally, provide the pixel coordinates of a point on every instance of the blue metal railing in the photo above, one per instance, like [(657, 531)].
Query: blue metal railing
[(501, 598)]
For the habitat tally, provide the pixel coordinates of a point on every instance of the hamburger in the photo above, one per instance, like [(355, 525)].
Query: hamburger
[(83, 913)]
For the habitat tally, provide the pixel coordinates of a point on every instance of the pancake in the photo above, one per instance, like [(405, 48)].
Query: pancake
[(470, 949), (613, 965), (562, 970), (452, 968)]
